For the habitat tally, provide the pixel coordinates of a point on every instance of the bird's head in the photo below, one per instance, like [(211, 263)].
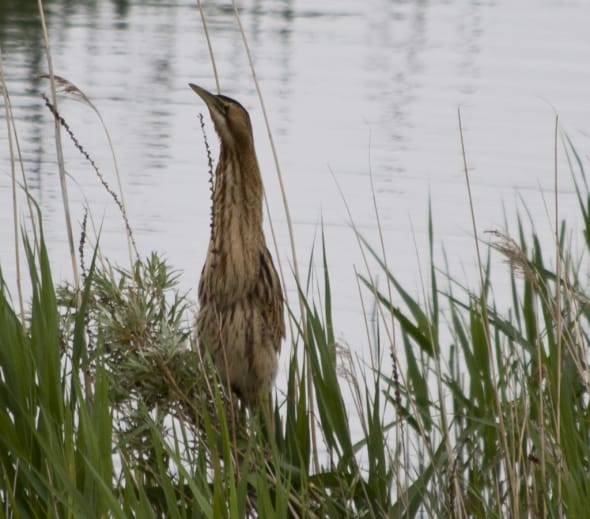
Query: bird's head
[(230, 118)]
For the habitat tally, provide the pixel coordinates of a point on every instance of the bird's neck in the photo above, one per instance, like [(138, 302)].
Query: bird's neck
[(232, 267), (237, 202)]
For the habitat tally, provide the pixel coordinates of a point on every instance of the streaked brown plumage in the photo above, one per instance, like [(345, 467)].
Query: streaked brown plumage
[(240, 319)]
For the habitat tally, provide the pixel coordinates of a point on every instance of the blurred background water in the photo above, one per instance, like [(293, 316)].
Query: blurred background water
[(354, 91)]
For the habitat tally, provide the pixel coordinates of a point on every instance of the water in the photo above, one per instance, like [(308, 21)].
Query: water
[(354, 91)]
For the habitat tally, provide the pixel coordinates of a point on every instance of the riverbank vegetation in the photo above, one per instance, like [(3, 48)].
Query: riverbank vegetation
[(461, 407)]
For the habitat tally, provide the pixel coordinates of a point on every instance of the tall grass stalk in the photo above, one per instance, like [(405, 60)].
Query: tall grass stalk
[(558, 263), (16, 156), (59, 152), (209, 45), (15, 219)]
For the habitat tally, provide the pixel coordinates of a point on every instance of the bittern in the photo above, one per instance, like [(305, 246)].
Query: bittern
[(240, 319)]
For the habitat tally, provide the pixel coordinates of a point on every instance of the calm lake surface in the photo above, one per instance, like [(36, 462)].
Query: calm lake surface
[(354, 91)]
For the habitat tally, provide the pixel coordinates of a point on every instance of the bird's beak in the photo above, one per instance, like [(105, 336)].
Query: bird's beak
[(213, 102)]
